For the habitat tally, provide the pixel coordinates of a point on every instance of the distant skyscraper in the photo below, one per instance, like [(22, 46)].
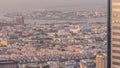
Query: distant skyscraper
[(18, 19), (115, 34), (101, 61)]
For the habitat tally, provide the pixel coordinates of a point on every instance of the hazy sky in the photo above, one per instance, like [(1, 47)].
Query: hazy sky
[(42, 3), (29, 4)]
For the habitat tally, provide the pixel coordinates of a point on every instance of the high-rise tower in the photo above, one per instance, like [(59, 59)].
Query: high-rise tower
[(115, 34)]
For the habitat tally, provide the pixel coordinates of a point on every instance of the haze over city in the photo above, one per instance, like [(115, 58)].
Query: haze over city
[(23, 5)]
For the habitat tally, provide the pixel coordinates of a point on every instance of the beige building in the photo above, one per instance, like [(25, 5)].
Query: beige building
[(101, 61), (115, 34), (82, 65)]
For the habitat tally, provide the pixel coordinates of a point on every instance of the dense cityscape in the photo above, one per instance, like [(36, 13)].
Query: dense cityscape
[(54, 45)]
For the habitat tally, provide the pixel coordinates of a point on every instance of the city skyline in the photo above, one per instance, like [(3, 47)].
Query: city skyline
[(53, 33)]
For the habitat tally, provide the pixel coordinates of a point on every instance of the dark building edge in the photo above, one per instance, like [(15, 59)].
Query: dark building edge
[(109, 35)]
